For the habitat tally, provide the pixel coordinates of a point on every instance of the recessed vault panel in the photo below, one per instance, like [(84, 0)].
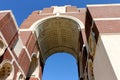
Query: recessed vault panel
[(58, 35)]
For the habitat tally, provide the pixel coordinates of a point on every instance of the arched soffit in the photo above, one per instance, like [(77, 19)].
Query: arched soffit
[(6, 70), (35, 25), (58, 34), (2, 47)]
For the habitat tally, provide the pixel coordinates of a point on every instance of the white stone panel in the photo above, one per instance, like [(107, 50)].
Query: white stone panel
[(18, 47), (102, 64), (61, 9), (112, 46)]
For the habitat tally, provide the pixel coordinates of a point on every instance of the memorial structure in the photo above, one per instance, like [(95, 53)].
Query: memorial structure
[(91, 35)]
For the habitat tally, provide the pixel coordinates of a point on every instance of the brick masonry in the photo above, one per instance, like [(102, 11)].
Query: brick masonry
[(96, 20)]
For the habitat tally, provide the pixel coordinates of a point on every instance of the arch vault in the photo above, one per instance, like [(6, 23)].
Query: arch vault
[(24, 50)]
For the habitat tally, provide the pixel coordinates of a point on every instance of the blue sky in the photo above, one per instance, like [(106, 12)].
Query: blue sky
[(58, 66), (22, 8)]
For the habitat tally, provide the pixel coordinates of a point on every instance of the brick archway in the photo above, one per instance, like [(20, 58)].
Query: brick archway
[(58, 35)]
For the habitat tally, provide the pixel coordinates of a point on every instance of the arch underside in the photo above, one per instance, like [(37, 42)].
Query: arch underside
[(58, 35), (6, 70)]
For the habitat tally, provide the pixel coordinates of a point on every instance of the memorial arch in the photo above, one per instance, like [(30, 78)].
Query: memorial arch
[(58, 34), (61, 29)]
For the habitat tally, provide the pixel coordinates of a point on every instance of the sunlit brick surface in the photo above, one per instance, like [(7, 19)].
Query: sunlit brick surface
[(90, 34)]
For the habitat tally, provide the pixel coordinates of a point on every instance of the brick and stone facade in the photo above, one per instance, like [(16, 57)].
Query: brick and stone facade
[(90, 34)]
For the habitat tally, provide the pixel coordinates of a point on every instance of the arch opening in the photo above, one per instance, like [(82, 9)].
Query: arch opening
[(58, 34), (33, 69), (2, 47), (20, 76), (60, 66), (6, 70)]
